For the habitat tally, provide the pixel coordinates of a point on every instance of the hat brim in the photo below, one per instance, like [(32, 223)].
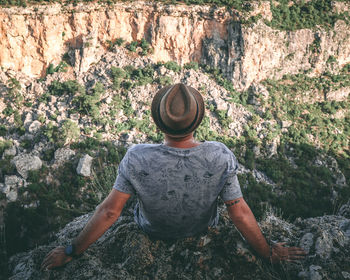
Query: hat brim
[(177, 133)]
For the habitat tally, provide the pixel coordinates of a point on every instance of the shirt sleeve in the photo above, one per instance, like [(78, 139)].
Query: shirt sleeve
[(122, 183), (231, 189)]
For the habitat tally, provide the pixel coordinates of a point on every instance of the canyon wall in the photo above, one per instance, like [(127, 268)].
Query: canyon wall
[(32, 38)]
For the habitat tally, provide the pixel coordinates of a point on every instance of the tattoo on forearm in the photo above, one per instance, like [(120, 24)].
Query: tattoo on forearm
[(229, 204)]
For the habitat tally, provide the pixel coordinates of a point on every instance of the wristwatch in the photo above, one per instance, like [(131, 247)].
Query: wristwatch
[(70, 250)]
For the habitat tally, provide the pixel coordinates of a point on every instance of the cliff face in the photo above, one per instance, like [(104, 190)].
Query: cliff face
[(32, 38)]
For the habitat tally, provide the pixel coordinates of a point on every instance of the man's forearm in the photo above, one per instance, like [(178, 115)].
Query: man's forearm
[(97, 225), (244, 220)]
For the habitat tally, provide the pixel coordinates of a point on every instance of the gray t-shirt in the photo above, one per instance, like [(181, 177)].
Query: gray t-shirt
[(177, 189)]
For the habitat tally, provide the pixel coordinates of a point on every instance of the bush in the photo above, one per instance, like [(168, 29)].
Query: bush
[(3, 130), (117, 73), (145, 46), (69, 132), (118, 42), (172, 65), (164, 81), (70, 88), (132, 46), (191, 65), (88, 103)]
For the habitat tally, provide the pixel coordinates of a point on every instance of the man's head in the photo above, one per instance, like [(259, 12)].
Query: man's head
[(177, 110)]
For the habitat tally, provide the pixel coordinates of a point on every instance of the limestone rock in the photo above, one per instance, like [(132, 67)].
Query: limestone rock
[(62, 155), (10, 188), (84, 166), (345, 210), (10, 152), (245, 53), (34, 127), (25, 163)]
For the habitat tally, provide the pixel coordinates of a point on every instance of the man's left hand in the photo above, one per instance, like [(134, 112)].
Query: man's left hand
[(289, 254), (55, 258)]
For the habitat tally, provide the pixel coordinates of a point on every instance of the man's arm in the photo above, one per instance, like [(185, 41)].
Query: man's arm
[(244, 220), (105, 215)]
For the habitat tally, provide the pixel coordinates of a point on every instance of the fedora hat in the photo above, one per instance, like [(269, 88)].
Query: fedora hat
[(177, 110)]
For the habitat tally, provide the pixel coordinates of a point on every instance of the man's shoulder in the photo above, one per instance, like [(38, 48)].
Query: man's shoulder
[(218, 145), (142, 147)]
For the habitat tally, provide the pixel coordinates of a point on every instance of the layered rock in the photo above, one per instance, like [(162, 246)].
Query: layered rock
[(34, 37)]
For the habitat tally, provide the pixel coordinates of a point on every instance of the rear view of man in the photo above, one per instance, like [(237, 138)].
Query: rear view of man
[(177, 185)]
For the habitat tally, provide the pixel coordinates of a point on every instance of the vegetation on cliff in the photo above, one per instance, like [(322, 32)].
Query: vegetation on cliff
[(286, 15)]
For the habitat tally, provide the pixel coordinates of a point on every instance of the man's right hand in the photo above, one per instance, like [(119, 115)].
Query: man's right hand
[(280, 253), (55, 258)]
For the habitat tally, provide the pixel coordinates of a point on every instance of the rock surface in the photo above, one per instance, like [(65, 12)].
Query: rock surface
[(10, 188), (84, 166), (125, 252), (62, 155), (25, 163), (41, 35)]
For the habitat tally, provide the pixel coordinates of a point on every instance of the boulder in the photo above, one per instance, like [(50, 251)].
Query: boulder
[(25, 163), (84, 166)]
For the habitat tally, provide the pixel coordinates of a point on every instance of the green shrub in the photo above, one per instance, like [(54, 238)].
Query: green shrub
[(61, 67), (145, 46), (88, 103), (5, 144), (304, 14), (172, 65), (3, 130), (117, 73), (69, 132), (118, 42), (70, 88), (132, 46), (51, 132), (192, 65), (164, 81)]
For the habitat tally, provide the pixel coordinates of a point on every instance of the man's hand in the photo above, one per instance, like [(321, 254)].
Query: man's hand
[(105, 215), (289, 254), (243, 218), (55, 258)]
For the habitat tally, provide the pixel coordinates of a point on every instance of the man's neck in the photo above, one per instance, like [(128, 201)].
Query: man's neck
[(185, 142)]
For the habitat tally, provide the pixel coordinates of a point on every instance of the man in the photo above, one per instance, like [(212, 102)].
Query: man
[(177, 185)]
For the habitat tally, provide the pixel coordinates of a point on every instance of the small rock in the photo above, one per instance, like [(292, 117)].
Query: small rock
[(307, 241), (221, 105), (10, 152), (25, 163), (286, 124), (84, 166), (12, 183), (345, 210), (63, 154), (34, 127), (314, 274), (345, 274), (324, 245), (341, 180)]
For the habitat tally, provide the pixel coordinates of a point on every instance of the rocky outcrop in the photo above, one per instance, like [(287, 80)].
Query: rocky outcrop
[(34, 37), (125, 252)]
